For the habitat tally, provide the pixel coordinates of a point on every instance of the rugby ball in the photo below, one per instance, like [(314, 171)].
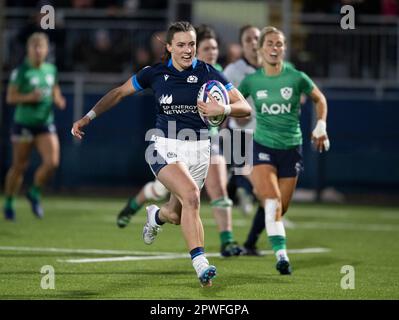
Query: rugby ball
[(219, 92)]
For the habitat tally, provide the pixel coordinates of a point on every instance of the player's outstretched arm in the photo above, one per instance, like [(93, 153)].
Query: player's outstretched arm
[(111, 99), (319, 134), (14, 96)]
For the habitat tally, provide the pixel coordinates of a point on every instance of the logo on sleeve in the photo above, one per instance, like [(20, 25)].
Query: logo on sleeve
[(286, 93), (192, 79), (49, 80), (166, 77)]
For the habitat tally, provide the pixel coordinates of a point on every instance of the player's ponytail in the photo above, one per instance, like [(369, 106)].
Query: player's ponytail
[(179, 26)]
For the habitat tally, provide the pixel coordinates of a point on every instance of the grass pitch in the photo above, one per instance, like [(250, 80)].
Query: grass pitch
[(123, 267)]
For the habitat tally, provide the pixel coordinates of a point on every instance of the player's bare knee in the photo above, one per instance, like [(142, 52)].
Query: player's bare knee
[(51, 165), (191, 198), (263, 195), (20, 167)]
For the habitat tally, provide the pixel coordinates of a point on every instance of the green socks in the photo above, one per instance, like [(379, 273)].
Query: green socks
[(277, 242), (35, 192), (226, 237), (134, 205), (9, 202), (279, 247)]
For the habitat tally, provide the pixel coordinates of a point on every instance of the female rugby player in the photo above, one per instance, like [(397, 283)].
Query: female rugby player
[(179, 149), (276, 90), (33, 88)]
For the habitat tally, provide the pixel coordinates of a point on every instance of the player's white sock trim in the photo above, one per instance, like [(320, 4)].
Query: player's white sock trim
[(282, 254), (200, 263)]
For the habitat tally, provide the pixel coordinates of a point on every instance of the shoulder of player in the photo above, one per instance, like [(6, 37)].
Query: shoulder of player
[(252, 76), (290, 68), (201, 65), (240, 63), (49, 67), (19, 70)]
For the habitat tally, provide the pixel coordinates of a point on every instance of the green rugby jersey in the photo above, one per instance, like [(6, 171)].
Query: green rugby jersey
[(277, 105), (27, 78)]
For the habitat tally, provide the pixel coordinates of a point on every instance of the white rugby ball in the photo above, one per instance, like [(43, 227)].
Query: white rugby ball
[(219, 92)]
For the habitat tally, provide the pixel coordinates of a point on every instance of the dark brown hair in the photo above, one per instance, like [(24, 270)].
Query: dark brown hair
[(179, 26), (205, 32), (242, 31)]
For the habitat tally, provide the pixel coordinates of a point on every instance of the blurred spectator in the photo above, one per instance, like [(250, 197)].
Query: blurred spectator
[(158, 42), (142, 58), (234, 52), (131, 5), (57, 38), (390, 7), (99, 54), (82, 4)]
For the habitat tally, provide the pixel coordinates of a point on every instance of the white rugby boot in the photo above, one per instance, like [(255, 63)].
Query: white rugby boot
[(151, 228)]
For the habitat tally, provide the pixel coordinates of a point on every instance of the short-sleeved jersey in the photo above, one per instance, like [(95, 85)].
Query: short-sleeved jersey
[(277, 103), (28, 78), (236, 72), (177, 92)]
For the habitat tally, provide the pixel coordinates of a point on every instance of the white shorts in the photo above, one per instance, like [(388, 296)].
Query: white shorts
[(194, 154)]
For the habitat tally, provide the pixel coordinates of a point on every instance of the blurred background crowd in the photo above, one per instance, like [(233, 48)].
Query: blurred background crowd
[(97, 44)]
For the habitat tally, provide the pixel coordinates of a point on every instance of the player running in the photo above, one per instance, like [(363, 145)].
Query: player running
[(178, 153), (215, 184), (236, 72), (276, 90), (216, 181), (33, 88)]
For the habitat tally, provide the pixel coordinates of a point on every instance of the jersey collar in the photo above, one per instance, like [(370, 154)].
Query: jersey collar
[(248, 63), (170, 64)]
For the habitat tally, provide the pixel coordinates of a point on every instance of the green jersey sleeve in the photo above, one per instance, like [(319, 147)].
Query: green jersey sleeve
[(16, 77), (244, 88), (306, 84)]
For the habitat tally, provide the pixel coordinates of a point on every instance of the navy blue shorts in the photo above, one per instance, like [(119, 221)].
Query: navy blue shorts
[(23, 133), (287, 162)]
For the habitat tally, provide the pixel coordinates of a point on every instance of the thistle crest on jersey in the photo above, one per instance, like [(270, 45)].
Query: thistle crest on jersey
[(219, 92), (286, 93)]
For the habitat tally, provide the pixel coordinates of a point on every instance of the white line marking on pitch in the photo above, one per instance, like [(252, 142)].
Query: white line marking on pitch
[(84, 251), (181, 255)]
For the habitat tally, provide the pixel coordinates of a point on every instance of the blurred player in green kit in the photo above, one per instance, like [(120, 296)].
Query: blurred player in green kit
[(33, 89), (277, 156)]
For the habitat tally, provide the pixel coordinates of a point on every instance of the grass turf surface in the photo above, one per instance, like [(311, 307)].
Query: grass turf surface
[(364, 237)]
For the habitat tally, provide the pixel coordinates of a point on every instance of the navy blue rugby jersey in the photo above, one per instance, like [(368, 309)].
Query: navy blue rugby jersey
[(176, 93)]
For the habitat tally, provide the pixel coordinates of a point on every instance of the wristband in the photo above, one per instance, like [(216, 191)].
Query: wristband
[(320, 129), (91, 115), (227, 109)]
